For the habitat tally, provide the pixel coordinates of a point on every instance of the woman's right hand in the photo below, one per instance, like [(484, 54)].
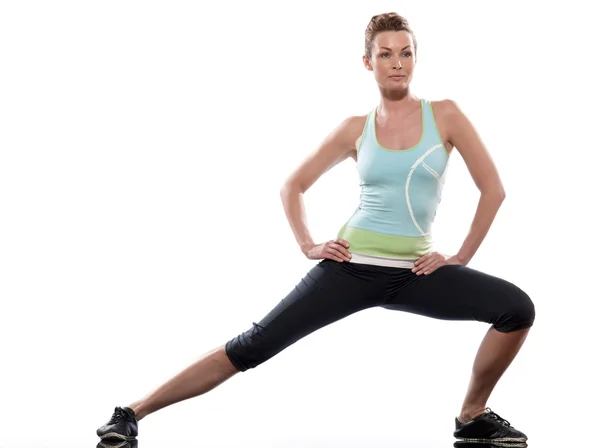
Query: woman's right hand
[(334, 250)]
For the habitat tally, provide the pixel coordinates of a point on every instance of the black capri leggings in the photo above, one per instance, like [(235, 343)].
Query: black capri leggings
[(333, 290)]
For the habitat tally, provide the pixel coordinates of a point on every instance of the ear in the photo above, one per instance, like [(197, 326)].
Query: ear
[(367, 63)]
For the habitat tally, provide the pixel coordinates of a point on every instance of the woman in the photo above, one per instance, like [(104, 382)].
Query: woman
[(383, 255)]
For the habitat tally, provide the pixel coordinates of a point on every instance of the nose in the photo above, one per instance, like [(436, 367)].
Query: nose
[(397, 64)]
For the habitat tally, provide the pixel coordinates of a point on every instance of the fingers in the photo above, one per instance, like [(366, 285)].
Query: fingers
[(337, 250), (428, 263), (422, 262), (342, 242)]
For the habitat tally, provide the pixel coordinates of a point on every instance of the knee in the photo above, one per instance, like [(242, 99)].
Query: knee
[(231, 352), (525, 309), (519, 314), (250, 348)]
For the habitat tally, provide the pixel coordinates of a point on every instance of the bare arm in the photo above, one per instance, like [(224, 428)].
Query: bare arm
[(465, 138), (337, 146)]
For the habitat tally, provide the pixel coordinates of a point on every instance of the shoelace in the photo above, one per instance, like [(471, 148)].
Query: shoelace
[(118, 415), (497, 417)]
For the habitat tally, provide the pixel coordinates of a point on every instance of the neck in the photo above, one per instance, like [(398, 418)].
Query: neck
[(396, 102)]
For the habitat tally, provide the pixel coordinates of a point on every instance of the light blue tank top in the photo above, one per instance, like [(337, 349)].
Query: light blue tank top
[(400, 193)]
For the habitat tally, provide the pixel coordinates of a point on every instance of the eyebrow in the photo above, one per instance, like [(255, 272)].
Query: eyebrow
[(386, 48)]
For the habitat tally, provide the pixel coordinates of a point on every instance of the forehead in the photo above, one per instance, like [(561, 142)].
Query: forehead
[(393, 39)]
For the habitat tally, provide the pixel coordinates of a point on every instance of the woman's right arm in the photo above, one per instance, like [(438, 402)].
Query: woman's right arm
[(337, 147)]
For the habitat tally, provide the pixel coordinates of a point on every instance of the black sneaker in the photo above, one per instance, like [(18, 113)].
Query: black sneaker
[(122, 425), (118, 444), (488, 427)]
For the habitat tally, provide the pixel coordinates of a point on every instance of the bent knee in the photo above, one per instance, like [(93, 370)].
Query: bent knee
[(518, 315), (254, 346)]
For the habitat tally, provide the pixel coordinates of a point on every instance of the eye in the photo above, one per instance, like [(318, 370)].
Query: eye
[(385, 54), (407, 54)]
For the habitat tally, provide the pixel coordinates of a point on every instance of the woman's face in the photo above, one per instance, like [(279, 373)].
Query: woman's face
[(392, 59)]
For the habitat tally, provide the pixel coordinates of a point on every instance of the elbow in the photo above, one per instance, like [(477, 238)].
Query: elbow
[(501, 193), (497, 193), (289, 188)]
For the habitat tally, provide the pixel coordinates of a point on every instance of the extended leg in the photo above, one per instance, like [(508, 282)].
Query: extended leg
[(208, 372), (329, 292)]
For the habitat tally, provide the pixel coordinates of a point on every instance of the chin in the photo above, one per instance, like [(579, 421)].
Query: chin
[(396, 85)]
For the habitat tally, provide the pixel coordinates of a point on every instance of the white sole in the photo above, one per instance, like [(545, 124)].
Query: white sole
[(506, 441), (115, 435), (114, 444)]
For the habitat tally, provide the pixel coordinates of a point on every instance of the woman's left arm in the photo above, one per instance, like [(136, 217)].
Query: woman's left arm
[(466, 140), (464, 137)]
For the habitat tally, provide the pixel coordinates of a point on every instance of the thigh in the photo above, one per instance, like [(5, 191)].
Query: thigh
[(455, 292), (329, 292)]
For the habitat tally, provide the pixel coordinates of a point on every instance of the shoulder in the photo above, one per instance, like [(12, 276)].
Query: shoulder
[(344, 138), (445, 109), (449, 118), (350, 129), (354, 124)]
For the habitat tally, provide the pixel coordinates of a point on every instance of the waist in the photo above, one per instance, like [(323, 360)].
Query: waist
[(381, 261), (385, 249)]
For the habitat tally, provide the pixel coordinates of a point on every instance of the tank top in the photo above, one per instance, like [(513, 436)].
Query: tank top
[(399, 195)]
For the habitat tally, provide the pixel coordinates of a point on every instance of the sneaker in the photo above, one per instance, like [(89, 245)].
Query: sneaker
[(488, 427), (122, 425), (118, 444)]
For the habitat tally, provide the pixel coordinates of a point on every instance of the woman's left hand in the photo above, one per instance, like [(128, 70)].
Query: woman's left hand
[(432, 261)]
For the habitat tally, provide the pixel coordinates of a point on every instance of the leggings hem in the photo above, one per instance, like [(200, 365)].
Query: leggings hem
[(232, 358)]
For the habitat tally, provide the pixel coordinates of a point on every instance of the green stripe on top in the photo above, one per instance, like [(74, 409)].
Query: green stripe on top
[(388, 246)]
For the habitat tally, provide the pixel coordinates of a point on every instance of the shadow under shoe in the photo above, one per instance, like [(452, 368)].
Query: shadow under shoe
[(122, 425), (461, 444), (489, 427)]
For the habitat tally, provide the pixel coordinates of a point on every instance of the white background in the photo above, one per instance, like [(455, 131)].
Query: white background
[(143, 145)]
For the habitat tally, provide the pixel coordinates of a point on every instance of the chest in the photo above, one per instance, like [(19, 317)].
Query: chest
[(376, 166), (399, 134)]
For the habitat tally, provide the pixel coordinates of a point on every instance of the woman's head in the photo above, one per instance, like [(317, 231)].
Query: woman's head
[(390, 50)]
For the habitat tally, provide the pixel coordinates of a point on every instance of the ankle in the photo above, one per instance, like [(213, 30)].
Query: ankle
[(471, 412), (138, 410)]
